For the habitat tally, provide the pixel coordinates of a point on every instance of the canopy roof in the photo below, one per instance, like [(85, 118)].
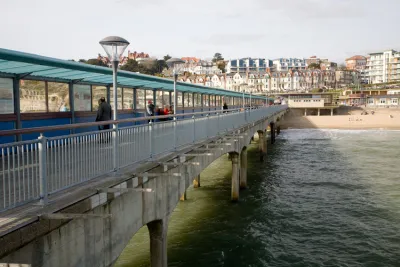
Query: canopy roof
[(31, 66)]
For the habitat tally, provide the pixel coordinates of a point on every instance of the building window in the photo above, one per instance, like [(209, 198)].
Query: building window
[(32, 96), (383, 100), (6, 96), (395, 101)]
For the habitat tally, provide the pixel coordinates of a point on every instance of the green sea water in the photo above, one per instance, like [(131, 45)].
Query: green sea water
[(321, 198)]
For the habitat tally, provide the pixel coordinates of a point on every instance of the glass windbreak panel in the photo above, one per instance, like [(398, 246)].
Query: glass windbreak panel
[(212, 100), (161, 101), (128, 99), (180, 99), (188, 100), (140, 99), (97, 93), (205, 100), (149, 96), (6, 96), (172, 99), (119, 98), (197, 100), (32, 96), (58, 95), (82, 97)]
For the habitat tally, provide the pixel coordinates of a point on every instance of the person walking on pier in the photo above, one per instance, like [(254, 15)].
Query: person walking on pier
[(150, 109), (103, 114), (225, 107)]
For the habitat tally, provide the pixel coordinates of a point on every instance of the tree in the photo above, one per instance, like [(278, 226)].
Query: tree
[(217, 57), (314, 66), (132, 65), (95, 61), (221, 66), (167, 57)]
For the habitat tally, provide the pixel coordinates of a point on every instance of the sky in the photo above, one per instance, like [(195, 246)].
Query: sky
[(333, 29)]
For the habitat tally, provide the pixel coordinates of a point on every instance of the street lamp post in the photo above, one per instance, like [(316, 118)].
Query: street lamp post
[(114, 46), (175, 64)]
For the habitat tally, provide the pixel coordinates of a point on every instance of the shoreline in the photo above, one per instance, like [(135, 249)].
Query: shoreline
[(294, 120)]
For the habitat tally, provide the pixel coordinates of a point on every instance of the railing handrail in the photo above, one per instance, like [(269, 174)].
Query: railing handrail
[(100, 123)]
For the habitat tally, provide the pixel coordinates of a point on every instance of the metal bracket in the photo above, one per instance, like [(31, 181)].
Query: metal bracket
[(69, 216), (196, 155), (77, 81), (23, 75), (124, 190)]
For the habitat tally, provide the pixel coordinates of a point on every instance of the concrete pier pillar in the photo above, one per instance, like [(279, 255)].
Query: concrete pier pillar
[(196, 181), (235, 177), (305, 112), (272, 133), (278, 130), (262, 146), (243, 168), (331, 111), (158, 242), (319, 112)]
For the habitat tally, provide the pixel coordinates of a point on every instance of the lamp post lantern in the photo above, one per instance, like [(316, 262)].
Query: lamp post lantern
[(114, 46), (175, 64)]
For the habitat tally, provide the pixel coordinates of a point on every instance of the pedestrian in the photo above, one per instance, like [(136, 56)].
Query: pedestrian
[(150, 109), (225, 107), (103, 114), (165, 113)]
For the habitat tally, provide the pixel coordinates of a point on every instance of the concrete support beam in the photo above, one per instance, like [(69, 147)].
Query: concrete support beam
[(319, 112), (235, 177), (305, 112), (331, 111), (196, 181), (158, 242), (243, 169)]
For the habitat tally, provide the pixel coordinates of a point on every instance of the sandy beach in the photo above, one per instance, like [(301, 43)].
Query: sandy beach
[(380, 120)]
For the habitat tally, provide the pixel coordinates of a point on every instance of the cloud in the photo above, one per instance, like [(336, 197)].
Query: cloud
[(233, 38), (315, 9)]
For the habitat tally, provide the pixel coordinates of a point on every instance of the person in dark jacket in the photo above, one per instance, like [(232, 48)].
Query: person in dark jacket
[(150, 109), (103, 114), (225, 108)]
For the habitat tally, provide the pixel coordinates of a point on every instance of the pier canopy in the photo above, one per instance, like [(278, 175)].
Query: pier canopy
[(30, 66)]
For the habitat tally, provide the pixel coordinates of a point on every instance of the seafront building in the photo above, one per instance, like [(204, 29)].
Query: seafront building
[(383, 67), (243, 65)]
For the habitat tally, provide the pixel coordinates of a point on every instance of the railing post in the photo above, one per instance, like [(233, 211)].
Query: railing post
[(217, 124), (194, 129), (208, 123), (42, 170), (151, 138)]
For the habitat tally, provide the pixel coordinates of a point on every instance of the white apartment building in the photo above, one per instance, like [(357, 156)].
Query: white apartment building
[(383, 67), (243, 65), (286, 64)]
